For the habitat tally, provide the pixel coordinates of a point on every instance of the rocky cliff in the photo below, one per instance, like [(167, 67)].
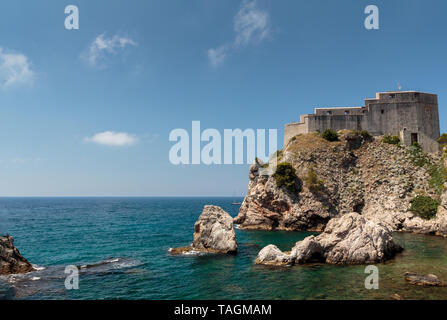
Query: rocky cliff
[(11, 261), (357, 173)]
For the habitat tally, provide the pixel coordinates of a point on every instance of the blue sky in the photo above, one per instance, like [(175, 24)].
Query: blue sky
[(144, 68)]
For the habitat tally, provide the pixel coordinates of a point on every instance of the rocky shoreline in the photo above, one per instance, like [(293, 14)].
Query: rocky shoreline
[(349, 239)]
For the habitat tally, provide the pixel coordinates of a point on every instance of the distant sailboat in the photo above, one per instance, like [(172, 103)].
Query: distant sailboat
[(235, 203)]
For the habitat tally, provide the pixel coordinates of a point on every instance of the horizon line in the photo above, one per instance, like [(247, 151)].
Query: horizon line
[(114, 196)]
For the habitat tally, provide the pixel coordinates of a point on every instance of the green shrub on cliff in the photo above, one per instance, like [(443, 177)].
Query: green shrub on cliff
[(330, 135), (364, 134), (424, 206), (437, 171), (438, 175), (391, 139), (285, 176), (443, 140), (417, 156), (314, 184)]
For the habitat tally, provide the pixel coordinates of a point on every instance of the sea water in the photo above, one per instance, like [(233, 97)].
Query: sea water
[(121, 247)]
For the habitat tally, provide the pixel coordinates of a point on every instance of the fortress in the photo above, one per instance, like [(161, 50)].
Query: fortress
[(410, 115)]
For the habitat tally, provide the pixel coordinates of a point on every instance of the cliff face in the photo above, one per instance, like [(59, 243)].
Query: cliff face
[(11, 261), (355, 174)]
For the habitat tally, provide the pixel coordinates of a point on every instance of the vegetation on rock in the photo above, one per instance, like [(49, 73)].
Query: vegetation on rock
[(330, 135), (294, 138), (424, 206), (285, 176), (437, 171), (417, 156), (443, 140), (438, 175), (365, 134), (314, 184), (391, 139)]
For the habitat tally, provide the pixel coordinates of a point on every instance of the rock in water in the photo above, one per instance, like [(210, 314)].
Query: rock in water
[(11, 261), (271, 255), (423, 280), (349, 239), (352, 239), (213, 232)]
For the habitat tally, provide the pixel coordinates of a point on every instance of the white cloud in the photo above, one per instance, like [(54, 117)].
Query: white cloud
[(251, 27), (217, 56), (15, 68), (102, 46), (251, 24), (111, 138)]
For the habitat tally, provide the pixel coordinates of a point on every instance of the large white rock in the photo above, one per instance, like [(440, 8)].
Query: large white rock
[(352, 239), (349, 239), (214, 231)]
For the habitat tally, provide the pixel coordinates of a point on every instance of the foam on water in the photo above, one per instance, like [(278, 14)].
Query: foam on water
[(38, 268)]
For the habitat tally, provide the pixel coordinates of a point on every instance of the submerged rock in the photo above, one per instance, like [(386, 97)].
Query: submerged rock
[(423, 280), (11, 261), (350, 239), (213, 232)]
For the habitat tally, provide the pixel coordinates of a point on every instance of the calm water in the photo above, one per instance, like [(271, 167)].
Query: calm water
[(130, 238)]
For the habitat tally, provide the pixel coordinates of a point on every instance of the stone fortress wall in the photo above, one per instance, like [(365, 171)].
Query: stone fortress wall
[(410, 115)]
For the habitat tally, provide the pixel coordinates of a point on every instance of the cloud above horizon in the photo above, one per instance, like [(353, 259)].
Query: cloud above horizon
[(15, 69), (251, 27), (112, 138), (103, 47)]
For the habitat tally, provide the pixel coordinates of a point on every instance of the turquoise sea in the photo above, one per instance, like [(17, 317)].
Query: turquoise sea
[(124, 243)]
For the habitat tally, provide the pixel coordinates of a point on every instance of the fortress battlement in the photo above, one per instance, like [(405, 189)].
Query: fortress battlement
[(410, 115)]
